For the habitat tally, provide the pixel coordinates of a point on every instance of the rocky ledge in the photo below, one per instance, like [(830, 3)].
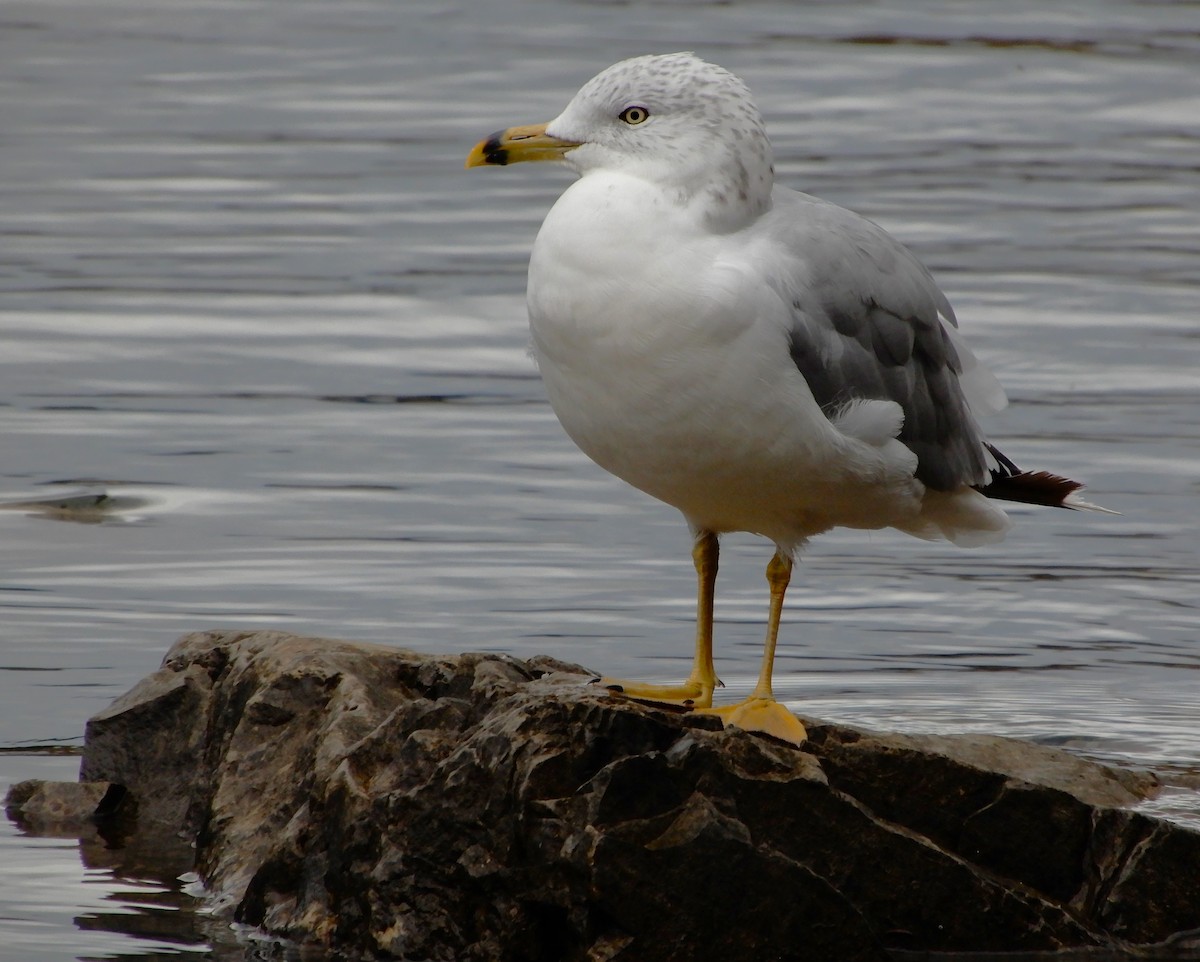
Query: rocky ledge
[(397, 805)]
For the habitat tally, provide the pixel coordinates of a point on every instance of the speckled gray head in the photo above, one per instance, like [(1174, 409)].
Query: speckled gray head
[(679, 121)]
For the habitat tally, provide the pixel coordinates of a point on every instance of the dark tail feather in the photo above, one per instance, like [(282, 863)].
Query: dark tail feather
[(1032, 487), (1010, 483)]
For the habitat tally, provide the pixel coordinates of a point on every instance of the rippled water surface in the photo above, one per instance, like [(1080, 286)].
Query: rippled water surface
[(264, 366)]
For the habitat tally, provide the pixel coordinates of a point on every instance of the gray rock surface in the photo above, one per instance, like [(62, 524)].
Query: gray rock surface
[(393, 804)]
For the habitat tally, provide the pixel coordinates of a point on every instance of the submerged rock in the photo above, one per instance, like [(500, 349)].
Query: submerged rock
[(393, 804)]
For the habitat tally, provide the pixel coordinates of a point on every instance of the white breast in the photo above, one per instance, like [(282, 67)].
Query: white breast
[(660, 382)]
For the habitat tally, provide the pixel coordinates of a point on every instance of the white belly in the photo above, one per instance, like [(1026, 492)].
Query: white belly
[(693, 403)]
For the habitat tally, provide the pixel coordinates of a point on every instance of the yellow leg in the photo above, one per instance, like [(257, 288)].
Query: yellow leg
[(697, 690), (761, 712)]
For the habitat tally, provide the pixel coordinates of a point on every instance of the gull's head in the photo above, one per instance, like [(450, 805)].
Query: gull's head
[(688, 126)]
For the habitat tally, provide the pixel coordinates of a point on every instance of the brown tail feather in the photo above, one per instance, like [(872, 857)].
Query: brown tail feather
[(1010, 483), (1032, 487)]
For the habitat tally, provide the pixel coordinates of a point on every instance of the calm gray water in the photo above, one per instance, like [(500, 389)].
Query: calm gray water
[(255, 307)]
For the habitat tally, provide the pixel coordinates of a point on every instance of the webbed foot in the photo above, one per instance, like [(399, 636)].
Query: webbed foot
[(761, 714), (689, 694)]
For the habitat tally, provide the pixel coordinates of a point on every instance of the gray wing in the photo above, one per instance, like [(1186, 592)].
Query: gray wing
[(866, 325)]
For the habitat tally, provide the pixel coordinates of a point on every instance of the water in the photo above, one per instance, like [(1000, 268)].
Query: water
[(270, 336)]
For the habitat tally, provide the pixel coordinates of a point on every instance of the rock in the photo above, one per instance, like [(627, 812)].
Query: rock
[(103, 817), (60, 809), (397, 805)]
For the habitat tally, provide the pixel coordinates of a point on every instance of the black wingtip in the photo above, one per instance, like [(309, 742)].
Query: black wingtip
[(1010, 483), (1032, 487)]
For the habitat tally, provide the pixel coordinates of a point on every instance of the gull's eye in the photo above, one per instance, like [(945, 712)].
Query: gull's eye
[(634, 115)]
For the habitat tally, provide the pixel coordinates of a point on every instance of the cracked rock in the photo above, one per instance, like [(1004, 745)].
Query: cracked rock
[(389, 804)]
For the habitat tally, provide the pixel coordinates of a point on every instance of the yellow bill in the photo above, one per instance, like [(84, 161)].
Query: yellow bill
[(517, 144)]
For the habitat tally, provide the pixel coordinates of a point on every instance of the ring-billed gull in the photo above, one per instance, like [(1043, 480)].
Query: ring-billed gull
[(760, 359)]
